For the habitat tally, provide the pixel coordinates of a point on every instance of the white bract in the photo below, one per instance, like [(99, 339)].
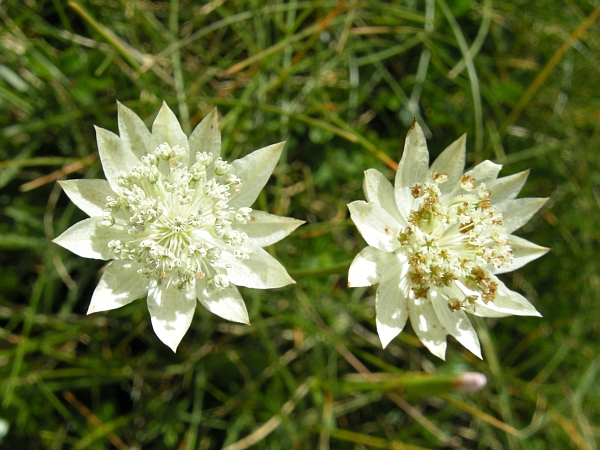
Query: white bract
[(176, 221), (437, 240)]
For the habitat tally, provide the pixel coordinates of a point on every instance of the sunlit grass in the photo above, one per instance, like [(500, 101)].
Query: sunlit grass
[(341, 82)]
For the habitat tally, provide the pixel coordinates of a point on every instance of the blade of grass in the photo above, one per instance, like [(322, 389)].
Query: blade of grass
[(423, 65), (349, 134), (371, 441), (17, 364), (98, 428), (498, 377), (184, 112), (61, 173), (473, 78), (362, 369), (482, 33), (338, 269), (10, 241), (482, 416), (196, 416), (269, 426), (397, 89), (281, 45), (121, 47), (541, 77)]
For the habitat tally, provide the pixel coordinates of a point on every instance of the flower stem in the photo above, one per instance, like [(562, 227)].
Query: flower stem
[(417, 384)]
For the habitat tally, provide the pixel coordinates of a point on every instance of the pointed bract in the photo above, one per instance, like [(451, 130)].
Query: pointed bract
[(166, 128), (171, 312), (379, 190), (376, 226), (117, 287), (88, 240), (456, 323), (451, 163), (88, 195), (517, 213), (427, 327), (254, 171), (523, 253), (368, 266), (226, 303), (507, 188), (259, 271), (413, 167), (391, 306), (206, 137), (264, 229), (134, 133), (485, 172), (115, 156)]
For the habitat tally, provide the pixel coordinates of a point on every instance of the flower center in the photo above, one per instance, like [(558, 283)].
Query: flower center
[(454, 238), (177, 217)]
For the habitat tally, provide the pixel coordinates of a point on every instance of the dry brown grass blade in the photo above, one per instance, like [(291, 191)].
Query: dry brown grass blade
[(570, 429), (372, 442), (130, 54), (482, 416), (58, 174), (93, 420), (337, 10), (270, 425)]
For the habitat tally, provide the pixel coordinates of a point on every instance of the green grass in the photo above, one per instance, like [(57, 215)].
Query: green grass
[(341, 82)]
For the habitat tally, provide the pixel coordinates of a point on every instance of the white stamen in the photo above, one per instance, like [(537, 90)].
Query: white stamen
[(166, 205)]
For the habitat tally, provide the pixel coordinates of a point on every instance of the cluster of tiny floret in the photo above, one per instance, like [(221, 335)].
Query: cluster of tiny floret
[(454, 237), (164, 203)]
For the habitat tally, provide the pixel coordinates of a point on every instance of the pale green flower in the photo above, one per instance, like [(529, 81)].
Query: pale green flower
[(176, 221), (437, 240)]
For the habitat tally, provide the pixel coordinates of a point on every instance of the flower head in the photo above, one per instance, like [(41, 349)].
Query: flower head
[(175, 218), (437, 240)]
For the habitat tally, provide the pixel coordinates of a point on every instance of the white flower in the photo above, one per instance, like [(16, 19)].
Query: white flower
[(176, 220), (437, 241)]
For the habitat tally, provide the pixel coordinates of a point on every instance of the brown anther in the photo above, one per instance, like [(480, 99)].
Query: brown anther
[(420, 291), (439, 178), (447, 278), (454, 304), (403, 237), (467, 182), (487, 287), (417, 191), (478, 274)]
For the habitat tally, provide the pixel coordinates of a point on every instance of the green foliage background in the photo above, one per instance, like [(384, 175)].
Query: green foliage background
[(341, 81)]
